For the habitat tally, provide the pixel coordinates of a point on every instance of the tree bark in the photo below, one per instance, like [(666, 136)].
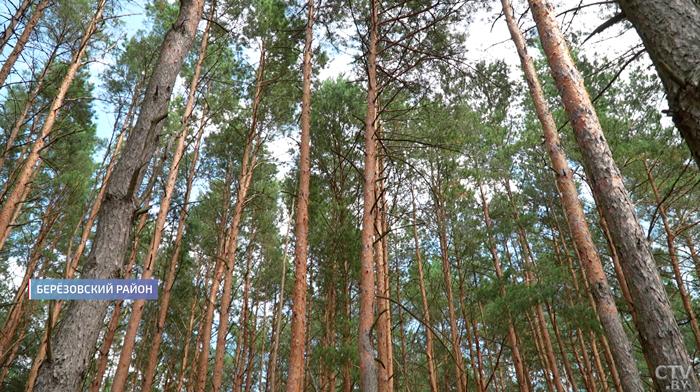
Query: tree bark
[(670, 31), (19, 122), (10, 28), (24, 37), (170, 280), (23, 178), (446, 272), (242, 340), (432, 379), (97, 378), (607, 310), (179, 152), (248, 163), (368, 369), (656, 322), (122, 372), (673, 256), (15, 314), (384, 345), (77, 334), (271, 383), (298, 338), (517, 358), (190, 330)]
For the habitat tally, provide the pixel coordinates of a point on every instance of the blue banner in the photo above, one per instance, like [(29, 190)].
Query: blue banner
[(93, 289)]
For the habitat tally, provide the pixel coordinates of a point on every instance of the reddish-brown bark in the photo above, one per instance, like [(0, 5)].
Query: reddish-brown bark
[(24, 38), (655, 321), (424, 300), (296, 350), (586, 249), (78, 332), (368, 369), (517, 358)]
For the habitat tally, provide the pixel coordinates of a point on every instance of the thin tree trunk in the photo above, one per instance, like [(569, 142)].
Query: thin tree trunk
[(656, 322), (539, 349), (385, 381), (347, 379), (22, 40), (248, 163), (444, 252), (517, 359), (476, 360), (404, 363), (529, 261), (10, 28), (190, 330), (77, 334), (170, 280), (194, 370), (13, 353), (562, 349), (432, 379), (296, 350), (368, 369), (244, 322), (23, 178), (204, 336), (673, 256), (27, 107), (271, 383), (14, 316)]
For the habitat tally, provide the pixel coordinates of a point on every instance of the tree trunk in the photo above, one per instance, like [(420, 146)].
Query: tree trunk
[(298, 338), (607, 310), (177, 157), (190, 330), (170, 280), (13, 352), (432, 379), (242, 340), (19, 122), (444, 253), (368, 369), (122, 372), (22, 40), (23, 179), (78, 332), (15, 314), (271, 383), (670, 31), (97, 378), (656, 322), (562, 349), (384, 345), (204, 335), (404, 363), (517, 359), (10, 28), (673, 256), (248, 163)]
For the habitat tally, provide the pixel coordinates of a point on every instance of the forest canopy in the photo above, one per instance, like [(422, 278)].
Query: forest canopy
[(374, 195)]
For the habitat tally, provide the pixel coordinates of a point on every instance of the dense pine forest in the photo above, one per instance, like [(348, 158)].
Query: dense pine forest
[(352, 195)]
